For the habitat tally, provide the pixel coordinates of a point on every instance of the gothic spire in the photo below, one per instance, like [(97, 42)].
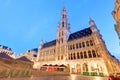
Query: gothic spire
[(64, 20)]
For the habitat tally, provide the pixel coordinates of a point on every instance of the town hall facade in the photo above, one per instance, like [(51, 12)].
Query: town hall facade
[(81, 51)]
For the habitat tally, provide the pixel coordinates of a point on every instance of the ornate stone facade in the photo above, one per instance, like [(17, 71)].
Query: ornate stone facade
[(30, 54), (7, 50), (82, 51), (116, 15)]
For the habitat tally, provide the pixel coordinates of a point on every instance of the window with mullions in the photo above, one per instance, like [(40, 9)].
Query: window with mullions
[(80, 45), (62, 24), (74, 56), (87, 43), (81, 55), (85, 54), (94, 54), (71, 56), (76, 45), (89, 54), (83, 44), (91, 43), (78, 57), (73, 46)]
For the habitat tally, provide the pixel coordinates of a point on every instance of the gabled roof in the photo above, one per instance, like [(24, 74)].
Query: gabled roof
[(4, 55), (23, 58), (79, 34), (48, 44)]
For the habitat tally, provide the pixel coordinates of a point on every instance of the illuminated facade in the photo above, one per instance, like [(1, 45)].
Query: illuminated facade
[(82, 51), (116, 15), (6, 50), (30, 54)]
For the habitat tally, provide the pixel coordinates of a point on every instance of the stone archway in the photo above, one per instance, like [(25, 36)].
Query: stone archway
[(85, 67), (68, 65), (78, 68)]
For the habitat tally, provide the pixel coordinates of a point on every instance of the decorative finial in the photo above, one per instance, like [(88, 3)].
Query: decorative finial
[(91, 22), (41, 43)]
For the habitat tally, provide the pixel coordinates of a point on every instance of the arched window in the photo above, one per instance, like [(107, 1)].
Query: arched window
[(81, 55), (87, 43), (89, 53), (94, 54), (73, 46), (80, 45), (62, 33), (74, 56), (71, 56), (76, 45), (91, 42), (62, 57), (70, 47), (83, 44), (78, 57), (62, 24), (85, 55)]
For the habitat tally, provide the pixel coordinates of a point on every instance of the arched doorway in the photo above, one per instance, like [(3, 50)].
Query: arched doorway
[(78, 68), (85, 67)]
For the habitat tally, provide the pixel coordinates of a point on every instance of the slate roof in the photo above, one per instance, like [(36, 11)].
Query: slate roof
[(48, 44), (79, 34), (35, 49), (23, 58), (5, 47), (4, 55)]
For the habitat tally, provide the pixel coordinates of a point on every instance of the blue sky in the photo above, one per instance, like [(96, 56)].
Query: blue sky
[(23, 23)]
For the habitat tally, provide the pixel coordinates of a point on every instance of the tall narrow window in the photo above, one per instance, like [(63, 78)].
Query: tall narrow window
[(62, 33), (62, 24), (81, 55), (76, 45), (71, 56), (89, 54), (87, 43), (83, 44), (91, 43), (74, 56), (85, 55), (80, 45), (78, 57), (73, 46), (94, 54)]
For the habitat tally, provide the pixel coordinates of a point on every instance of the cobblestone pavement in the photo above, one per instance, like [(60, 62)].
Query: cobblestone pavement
[(71, 77)]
